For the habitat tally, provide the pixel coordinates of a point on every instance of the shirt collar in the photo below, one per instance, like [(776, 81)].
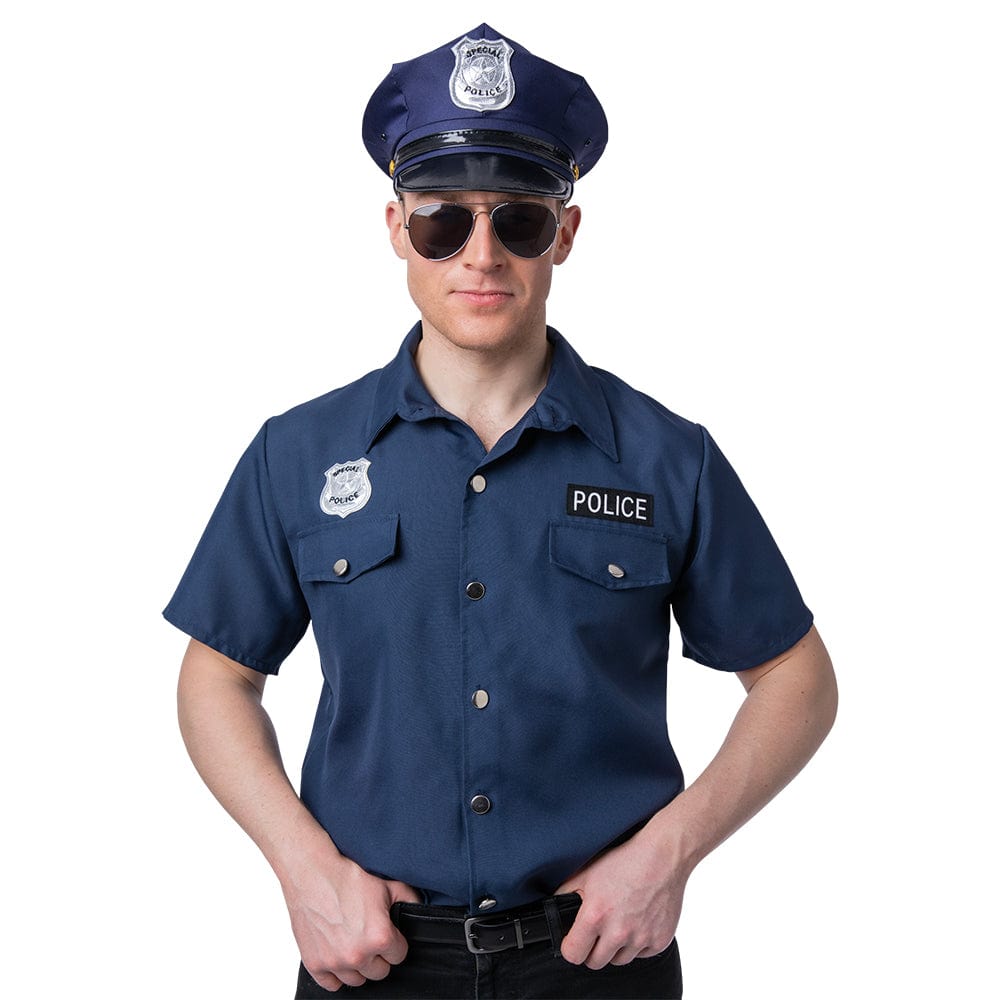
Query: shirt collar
[(571, 397)]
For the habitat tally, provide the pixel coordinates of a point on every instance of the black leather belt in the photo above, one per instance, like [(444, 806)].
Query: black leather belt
[(544, 922)]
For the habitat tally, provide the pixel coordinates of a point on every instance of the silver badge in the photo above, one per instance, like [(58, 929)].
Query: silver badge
[(482, 80), (347, 488)]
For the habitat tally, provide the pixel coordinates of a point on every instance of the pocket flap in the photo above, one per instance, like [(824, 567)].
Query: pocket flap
[(615, 558), (338, 553)]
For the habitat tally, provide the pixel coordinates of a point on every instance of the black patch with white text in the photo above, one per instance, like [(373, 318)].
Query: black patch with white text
[(607, 504)]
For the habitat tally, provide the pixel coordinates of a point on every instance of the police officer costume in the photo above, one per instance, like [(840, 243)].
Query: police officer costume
[(492, 627)]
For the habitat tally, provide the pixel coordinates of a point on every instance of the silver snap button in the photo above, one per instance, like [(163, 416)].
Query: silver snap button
[(341, 566), (487, 903), (481, 699), (616, 571), (478, 483), (475, 590), (480, 805)]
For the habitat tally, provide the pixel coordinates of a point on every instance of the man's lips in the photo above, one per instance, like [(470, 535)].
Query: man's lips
[(482, 296)]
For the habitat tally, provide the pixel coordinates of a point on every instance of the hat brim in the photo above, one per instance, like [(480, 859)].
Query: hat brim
[(471, 171)]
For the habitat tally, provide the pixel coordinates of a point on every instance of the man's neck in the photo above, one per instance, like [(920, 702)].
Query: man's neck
[(488, 390)]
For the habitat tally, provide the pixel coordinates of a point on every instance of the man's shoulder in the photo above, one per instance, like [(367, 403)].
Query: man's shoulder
[(635, 410), (328, 428), (347, 408), (641, 422), (343, 400)]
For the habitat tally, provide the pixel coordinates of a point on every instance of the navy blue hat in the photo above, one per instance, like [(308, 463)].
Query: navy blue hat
[(483, 114)]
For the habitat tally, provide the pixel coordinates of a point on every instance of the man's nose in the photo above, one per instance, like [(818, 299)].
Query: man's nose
[(483, 249)]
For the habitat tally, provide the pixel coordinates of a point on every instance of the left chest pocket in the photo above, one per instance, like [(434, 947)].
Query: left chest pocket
[(614, 557), (340, 553)]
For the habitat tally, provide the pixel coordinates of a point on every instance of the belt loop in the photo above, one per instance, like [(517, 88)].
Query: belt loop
[(551, 908), (519, 935)]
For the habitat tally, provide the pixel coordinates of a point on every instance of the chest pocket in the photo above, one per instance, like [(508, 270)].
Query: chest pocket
[(340, 553), (614, 557)]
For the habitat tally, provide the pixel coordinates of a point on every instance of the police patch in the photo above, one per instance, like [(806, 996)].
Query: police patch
[(609, 504), (347, 488), (481, 79)]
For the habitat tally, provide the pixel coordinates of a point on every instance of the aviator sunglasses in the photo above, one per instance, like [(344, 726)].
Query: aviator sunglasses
[(439, 231)]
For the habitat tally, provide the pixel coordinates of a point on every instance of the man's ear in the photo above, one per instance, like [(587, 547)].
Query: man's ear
[(394, 219), (570, 223)]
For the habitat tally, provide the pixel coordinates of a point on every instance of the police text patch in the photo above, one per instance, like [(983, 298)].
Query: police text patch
[(609, 504)]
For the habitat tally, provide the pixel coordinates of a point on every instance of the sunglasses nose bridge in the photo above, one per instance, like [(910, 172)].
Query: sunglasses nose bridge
[(482, 242)]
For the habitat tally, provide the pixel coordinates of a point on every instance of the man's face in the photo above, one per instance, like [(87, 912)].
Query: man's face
[(484, 298)]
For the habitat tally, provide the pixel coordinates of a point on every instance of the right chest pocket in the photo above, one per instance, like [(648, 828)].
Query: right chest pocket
[(340, 553), (613, 556)]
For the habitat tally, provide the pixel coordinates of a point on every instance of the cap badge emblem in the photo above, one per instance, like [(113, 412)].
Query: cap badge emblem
[(481, 79), (347, 488)]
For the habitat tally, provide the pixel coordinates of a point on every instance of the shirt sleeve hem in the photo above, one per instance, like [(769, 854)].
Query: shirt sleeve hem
[(221, 646), (755, 659)]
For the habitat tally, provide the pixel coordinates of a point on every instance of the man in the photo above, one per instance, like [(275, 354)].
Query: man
[(488, 537)]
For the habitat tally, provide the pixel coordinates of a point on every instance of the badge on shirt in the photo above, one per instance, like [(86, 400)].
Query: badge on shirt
[(347, 488)]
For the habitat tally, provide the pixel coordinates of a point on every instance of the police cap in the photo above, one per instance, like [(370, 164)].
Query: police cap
[(482, 113)]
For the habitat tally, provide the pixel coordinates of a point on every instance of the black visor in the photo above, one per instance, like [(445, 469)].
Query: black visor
[(482, 172)]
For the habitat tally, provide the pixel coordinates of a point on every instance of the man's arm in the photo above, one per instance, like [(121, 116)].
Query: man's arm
[(632, 894), (339, 913)]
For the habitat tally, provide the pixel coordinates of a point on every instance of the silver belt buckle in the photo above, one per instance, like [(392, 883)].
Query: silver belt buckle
[(470, 937)]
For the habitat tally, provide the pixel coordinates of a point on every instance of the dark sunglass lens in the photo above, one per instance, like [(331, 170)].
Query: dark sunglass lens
[(439, 231), (525, 228)]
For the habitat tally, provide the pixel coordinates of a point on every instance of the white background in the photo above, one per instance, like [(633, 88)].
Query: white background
[(792, 238)]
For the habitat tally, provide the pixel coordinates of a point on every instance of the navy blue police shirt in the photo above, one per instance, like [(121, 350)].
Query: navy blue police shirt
[(492, 627)]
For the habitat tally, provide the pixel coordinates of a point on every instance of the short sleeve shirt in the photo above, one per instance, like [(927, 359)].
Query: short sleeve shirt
[(492, 627)]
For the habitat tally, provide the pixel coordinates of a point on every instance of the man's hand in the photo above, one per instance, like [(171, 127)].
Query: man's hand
[(627, 911), (340, 918)]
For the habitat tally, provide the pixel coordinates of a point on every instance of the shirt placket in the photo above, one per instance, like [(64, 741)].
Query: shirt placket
[(481, 599)]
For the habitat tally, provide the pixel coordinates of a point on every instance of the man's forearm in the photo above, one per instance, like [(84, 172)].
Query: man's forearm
[(790, 706), (339, 913), (632, 893), (232, 743)]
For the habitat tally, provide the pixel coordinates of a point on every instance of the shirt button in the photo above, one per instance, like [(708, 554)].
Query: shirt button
[(480, 805), (478, 483), (481, 699), (475, 590), (616, 571), (341, 566), (487, 904)]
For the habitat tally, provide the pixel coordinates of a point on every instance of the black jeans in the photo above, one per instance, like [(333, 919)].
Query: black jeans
[(451, 972)]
